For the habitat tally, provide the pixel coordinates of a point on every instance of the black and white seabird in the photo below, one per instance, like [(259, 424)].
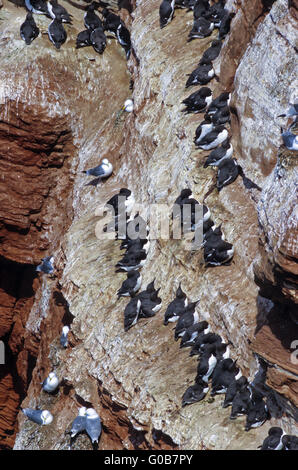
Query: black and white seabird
[(166, 12), (131, 313), (150, 305), (46, 266), (39, 7), (132, 262), (257, 412), (202, 340), (216, 12), (204, 128), (219, 154), (28, 30), (131, 285), (55, 9), (91, 19), (123, 36), (123, 201), (274, 439), (241, 401), (201, 7), (224, 373), (93, 425), (56, 32), (227, 172), (232, 389), (104, 170), (51, 383), (290, 442), (198, 101), (212, 52), (206, 363), (214, 138), (219, 102), (201, 75), (63, 337), (225, 24), (99, 41), (290, 140), (195, 393), (201, 29), (176, 307), (192, 332), (221, 116), (111, 22), (186, 319), (83, 39), (42, 417)]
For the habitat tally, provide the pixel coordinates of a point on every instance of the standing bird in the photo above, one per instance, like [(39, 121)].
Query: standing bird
[(128, 106), (166, 12), (123, 36), (290, 442), (227, 172), (176, 307), (91, 19), (198, 101), (195, 393), (212, 52), (63, 337), (56, 32), (93, 425), (55, 10), (219, 154), (131, 313), (42, 417), (79, 423), (201, 75), (201, 29), (131, 285), (214, 138), (28, 30), (186, 319), (51, 383), (104, 170), (290, 140), (111, 22), (46, 266)]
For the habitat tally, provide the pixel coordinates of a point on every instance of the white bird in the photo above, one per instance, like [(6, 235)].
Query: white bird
[(103, 170), (128, 106), (79, 423), (93, 425), (42, 417), (63, 337), (51, 383)]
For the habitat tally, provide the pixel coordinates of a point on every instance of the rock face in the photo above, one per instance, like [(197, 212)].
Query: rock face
[(63, 119)]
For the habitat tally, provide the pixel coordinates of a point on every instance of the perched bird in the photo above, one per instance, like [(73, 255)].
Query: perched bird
[(56, 32), (274, 439), (176, 307), (166, 12), (46, 266), (28, 30), (83, 39), (212, 52), (216, 12), (131, 285), (203, 129), (241, 401), (201, 29), (63, 337), (39, 7), (124, 201), (91, 19), (218, 257), (224, 373), (202, 340), (215, 158), (207, 363), (131, 313), (232, 389), (42, 417), (193, 332), (55, 10), (222, 101), (198, 101), (79, 423), (225, 24), (123, 36), (186, 319), (99, 41), (227, 172), (128, 106), (103, 170), (51, 383), (214, 138), (132, 262), (93, 425), (201, 75), (150, 305), (221, 116), (290, 140), (201, 7), (195, 393), (111, 22), (290, 442), (257, 412)]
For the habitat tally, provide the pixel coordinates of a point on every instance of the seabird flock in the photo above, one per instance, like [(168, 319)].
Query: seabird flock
[(216, 371)]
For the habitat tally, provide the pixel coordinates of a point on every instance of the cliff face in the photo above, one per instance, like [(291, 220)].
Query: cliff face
[(59, 116)]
